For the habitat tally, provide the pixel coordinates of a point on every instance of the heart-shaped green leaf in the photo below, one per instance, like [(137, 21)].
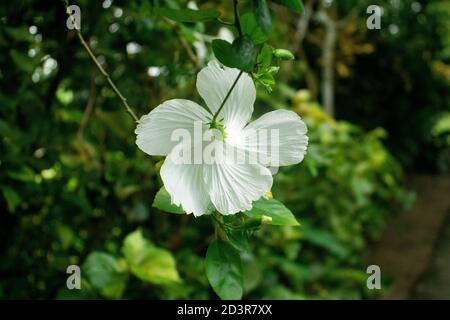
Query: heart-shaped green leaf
[(265, 56), (239, 54)]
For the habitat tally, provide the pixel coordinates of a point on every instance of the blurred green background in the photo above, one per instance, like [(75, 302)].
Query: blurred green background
[(73, 184)]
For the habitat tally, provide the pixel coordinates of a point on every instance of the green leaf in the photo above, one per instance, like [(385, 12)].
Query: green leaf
[(224, 52), (22, 61), (87, 292), (265, 56), (148, 262), (239, 240), (312, 165), (262, 14), (283, 54), (244, 50), (65, 235), (237, 55), (325, 240), (251, 28), (162, 201), (20, 34), (266, 72), (265, 79), (224, 270), (107, 274), (188, 15), (294, 5), (281, 216), (253, 272), (25, 174), (13, 200)]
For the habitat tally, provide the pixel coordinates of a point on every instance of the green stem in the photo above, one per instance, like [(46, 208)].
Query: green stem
[(237, 23), (226, 97), (219, 227)]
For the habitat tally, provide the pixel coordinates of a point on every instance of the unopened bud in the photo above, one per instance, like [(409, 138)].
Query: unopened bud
[(266, 220), (268, 195), (283, 54), (158, 165)]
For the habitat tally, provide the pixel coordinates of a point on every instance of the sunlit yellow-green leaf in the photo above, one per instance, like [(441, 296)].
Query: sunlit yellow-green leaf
[(148, 262)]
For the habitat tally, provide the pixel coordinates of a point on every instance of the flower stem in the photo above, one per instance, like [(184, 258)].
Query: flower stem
[(226, 97), (237, 23), (102, 70), (219, 226)]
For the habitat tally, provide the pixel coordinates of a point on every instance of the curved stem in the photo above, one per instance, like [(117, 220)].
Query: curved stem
[(102, 70), (225, 22), (237, 22)]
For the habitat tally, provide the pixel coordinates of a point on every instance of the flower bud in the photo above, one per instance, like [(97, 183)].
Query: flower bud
[(283, 54), (266, 220)]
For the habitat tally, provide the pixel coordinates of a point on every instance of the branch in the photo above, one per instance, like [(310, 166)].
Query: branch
[(184, 43), (328, 47), (226, 23), (99, 66), (302, 26)]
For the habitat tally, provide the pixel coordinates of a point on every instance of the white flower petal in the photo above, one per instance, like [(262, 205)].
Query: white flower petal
[(154, 130), (233, 187), (213, 84), (185, 184), (286, 147)]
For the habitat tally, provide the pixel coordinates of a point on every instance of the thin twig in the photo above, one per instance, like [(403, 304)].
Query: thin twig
[(192, 56), (225, 22), (189, 52), (99, 66), (87, 111)]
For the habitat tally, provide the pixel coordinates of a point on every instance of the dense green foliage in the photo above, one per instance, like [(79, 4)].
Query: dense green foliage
[(75, 189)]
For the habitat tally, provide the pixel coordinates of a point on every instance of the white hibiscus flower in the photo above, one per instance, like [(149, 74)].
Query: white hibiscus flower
[(230, 186)]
